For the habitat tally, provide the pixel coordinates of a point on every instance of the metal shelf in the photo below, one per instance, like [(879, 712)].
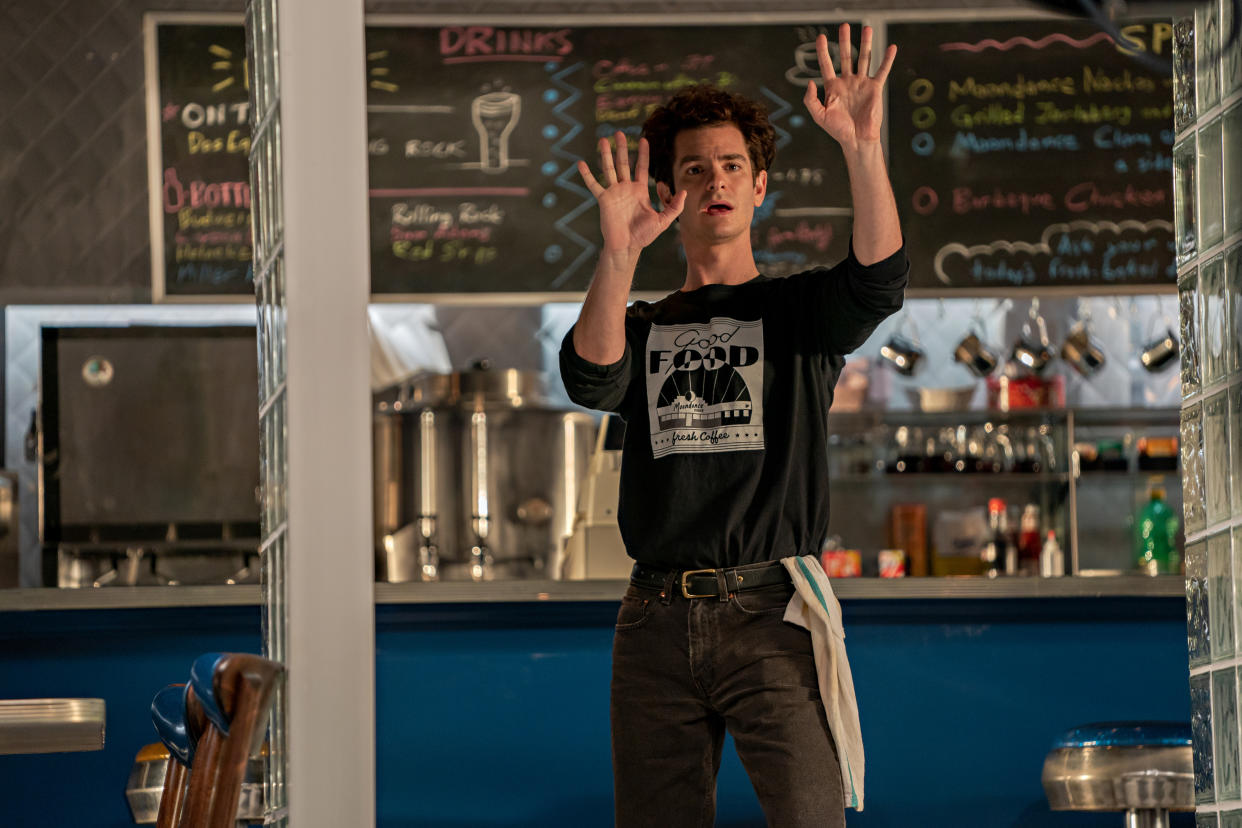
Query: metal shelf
[(867, 419), (1094, 417), (1083, 416), (952, 477), (1101, 474), (1067, 424)]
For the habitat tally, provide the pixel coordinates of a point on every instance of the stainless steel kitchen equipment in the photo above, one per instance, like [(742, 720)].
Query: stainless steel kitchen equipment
[(1142, 768), (975, 355), (147, 443), (10, 552), (903, 354), (940, 399), (904, 350), (476, 476), (1080, 350), (1159, 352), (414, 478), (1031, 349)]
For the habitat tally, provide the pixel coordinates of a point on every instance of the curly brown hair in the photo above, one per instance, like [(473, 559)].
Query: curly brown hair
[(707, 105)]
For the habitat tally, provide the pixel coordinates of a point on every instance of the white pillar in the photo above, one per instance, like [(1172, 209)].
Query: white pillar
[(329, 577)]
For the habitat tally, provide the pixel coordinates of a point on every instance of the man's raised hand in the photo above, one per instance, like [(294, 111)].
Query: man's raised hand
[(626, 218), (853, 106)]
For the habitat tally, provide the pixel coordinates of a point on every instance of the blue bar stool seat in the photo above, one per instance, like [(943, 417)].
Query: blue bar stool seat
[(1142, 768), (169, 715)]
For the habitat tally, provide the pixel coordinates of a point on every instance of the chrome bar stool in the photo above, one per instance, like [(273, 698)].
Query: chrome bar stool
[(1142, 768)]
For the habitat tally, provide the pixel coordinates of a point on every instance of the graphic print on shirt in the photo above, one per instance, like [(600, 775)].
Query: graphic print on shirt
[(705, 387)]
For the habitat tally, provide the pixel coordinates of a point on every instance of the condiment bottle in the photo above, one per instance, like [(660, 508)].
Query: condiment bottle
[(1051, 558)]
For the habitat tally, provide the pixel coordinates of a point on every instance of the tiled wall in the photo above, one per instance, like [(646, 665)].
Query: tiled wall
[(73, 149), (1207, 168)]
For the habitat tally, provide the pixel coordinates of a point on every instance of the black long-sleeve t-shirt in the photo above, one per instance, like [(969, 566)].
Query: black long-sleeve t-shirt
[(725, 393)]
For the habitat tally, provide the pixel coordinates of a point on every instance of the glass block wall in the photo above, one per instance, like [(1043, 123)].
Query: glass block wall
[(267, 226), (1207, 171)]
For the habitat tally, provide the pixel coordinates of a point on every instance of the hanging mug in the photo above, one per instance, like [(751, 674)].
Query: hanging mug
[(975, 355), (1081, 352), (972, 352), (902, 351), (1158, 353), (1031, 349)]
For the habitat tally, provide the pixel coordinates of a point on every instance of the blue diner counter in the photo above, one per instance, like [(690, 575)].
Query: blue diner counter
[(492, 700)]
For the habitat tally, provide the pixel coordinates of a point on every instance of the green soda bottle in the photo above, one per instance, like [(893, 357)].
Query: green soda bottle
[(1156, 533)]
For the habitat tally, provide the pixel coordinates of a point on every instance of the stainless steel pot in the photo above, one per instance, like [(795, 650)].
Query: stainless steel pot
[(476, 477)]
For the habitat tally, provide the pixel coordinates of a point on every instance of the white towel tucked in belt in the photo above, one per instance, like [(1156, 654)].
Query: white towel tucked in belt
[(815, 608)]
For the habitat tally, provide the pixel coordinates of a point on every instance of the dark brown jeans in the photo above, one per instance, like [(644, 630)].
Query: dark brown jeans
[(684, 670)]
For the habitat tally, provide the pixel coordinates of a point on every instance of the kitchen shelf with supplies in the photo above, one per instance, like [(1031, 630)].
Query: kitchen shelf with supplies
[(914, 478), (934, 485)]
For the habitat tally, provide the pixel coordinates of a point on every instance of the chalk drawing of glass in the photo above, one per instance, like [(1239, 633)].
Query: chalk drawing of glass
[(495, 115)]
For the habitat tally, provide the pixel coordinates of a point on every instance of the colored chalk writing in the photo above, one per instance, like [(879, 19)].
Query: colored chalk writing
[(473, 149), (1023, 153), (474, 133), (1034, 153), (203, 246)]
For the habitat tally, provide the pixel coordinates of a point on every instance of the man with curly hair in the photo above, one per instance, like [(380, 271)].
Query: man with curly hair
[(725, 387)]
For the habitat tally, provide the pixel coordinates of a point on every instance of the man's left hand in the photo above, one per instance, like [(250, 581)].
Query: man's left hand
[(853, 106)]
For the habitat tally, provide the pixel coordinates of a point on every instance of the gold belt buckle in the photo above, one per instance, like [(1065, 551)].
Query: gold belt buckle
[(685, 585)]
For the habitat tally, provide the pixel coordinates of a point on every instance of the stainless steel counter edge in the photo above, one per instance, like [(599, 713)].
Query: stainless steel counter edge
[(1136, 586), (129, 597)]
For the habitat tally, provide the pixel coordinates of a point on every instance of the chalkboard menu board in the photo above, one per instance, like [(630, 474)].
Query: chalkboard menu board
[(1023, 154), (1032, 154), (475, 131), (200, 189)]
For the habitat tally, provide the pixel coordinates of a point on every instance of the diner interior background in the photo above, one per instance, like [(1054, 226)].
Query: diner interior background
[(76, 251)]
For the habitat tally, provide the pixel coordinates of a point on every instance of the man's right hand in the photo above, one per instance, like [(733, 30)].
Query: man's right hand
[(626, 218)]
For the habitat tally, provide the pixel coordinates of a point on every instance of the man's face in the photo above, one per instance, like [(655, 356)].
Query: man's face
[(722, 191)]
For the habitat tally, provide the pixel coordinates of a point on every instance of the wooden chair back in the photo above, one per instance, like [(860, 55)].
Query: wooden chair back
[(214, 727)]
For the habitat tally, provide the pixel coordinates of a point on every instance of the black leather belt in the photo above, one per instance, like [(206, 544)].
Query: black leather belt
[(713, 583)]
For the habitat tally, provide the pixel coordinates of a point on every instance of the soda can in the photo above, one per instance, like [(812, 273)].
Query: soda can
[(892, 563), (842, 563)]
